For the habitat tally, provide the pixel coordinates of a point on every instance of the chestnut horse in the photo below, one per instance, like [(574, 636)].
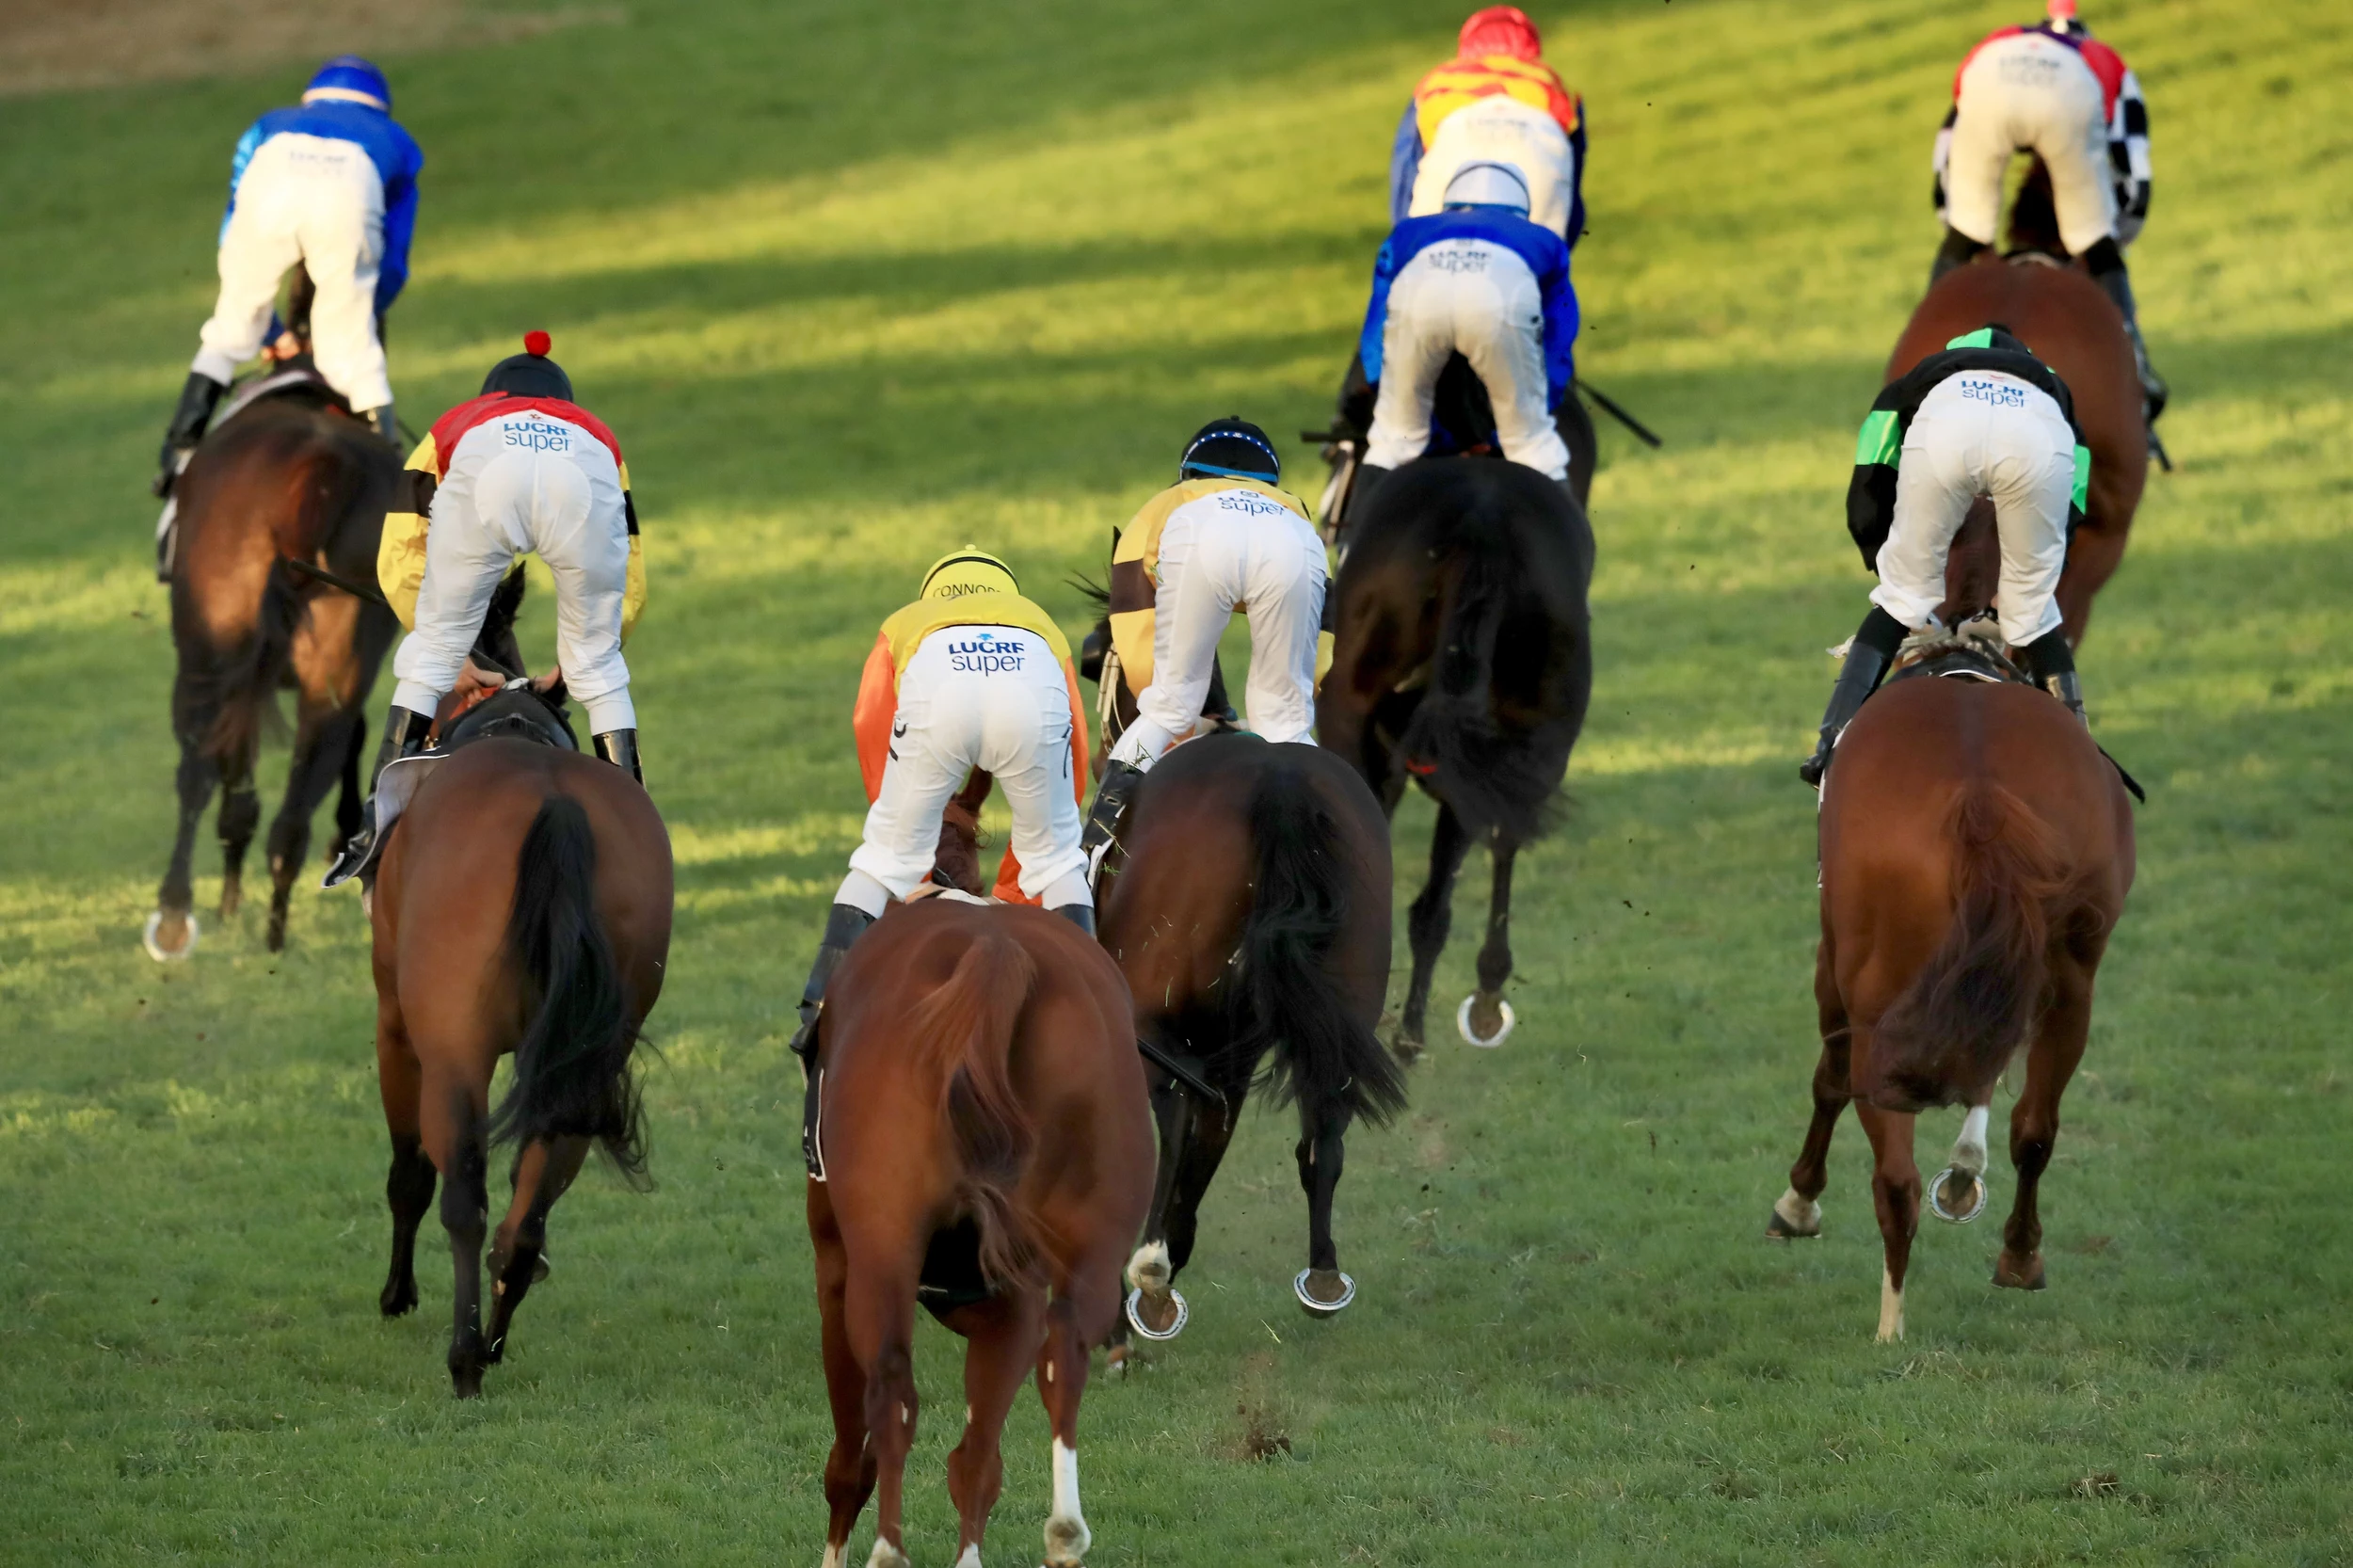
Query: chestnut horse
[(1247, 904), (988, 1150), (1462, 661), (1976, 848), (272, 587), (521, 904)]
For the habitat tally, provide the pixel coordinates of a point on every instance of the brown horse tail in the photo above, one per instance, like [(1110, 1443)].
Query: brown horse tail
[(964, 1030), (572, 1064), (1286, 995), (1977, 997)]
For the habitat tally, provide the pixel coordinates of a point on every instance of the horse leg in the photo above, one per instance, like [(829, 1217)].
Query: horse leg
[(1489, 1017), (999, 1335), (1433, 914), (1212, 1131), (408, 1188), (879, 1311), (1797, 1214), (1061, 1380), (320, 745), (171, 931), (1895, 1194), (1149, 1269), (2051, 1061), (1322, 1289), (456, 1116), (348, 803), (850, 1467), (240, 815), (543, 1175)]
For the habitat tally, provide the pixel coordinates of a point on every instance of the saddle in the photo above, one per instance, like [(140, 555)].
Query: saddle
[(296, 378), (1973, 650)]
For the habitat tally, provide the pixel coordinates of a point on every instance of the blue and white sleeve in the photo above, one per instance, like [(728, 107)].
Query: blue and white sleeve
[(1405, 164)]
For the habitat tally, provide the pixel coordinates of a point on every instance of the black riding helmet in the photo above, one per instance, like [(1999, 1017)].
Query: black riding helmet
[(1230, 449), (530, 374)]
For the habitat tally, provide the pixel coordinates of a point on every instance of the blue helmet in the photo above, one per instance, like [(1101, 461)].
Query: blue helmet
[(1230, 449), (349, 79)]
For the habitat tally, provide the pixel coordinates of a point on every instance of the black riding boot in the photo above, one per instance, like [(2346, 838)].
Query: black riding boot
[(844, 924), (197, 400), (1108, 812), (2051, 662), (620, 747), (1867, 658), (1080, 915), (1958, 249), (2106, 263), (404, 736)]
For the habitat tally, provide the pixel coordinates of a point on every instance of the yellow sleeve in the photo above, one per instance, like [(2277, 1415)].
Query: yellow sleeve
[(400, 554), (1135, 587)]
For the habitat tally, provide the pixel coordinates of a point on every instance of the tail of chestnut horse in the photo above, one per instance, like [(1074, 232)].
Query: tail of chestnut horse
[(572, 1064), (963, 1030), (1977, 997), (1289, 1000)]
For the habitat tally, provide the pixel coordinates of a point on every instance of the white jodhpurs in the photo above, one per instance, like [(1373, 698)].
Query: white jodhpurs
[(2031, 93), (1479, 299), (1231, 550), (525, 483), (1501, 129), (321, 202), (977, 696), (1982, 433)]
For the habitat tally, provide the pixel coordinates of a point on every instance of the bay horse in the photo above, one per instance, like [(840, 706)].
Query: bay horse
[(523, 904), (1462, 662), (1976, 849), (2072, 326), (1247, 903), (986, 1146), (273, 588)]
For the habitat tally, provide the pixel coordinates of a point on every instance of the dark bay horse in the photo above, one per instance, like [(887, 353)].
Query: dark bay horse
[(521, 904), (1977, 848), (1248, 908), (1462, 662), (279, 514), (988, 1150)]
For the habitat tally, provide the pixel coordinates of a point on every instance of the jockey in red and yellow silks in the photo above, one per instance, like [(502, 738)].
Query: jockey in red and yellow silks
[(1496, 101)]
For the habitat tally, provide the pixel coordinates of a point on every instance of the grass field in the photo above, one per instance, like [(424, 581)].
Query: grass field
[(859, 285)]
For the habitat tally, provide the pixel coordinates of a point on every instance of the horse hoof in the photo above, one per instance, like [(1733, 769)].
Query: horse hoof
[(1115, 1362), (1314, 1280), (159, 938), (1794, 1219), (2013, 1273), (1406, 1048), (1158, 1320), (466, 1382), (1956, 1196), (1484, 1025), (398, 1299)]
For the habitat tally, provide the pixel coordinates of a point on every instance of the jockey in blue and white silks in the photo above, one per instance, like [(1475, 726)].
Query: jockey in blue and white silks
[(332, 184)]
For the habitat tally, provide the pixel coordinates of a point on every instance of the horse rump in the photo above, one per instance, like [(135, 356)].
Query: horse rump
[(1287, 1000), (239, 688), (1977, 997), (572, 1072)]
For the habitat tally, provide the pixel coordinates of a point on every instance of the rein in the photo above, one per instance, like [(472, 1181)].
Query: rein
[(357, 590)]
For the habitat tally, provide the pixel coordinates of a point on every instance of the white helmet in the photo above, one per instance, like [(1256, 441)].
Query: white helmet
[(1488, 184)]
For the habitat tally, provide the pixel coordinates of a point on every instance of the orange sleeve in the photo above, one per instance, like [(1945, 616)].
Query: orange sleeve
[(1078, 736), (877, 705)]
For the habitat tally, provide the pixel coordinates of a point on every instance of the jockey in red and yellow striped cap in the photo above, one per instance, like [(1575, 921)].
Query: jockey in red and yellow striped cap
[(1496, 101)]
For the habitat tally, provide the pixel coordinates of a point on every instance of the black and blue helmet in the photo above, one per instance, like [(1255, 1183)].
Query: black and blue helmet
[(1230, 449)]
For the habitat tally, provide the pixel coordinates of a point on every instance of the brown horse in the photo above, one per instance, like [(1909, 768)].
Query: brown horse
[(2062, 315), (521, 904), (1248, 906), (988, 1150), (1976, 848), (272, 589)]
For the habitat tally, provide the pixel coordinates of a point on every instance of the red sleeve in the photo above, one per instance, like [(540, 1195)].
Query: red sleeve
[(877, 705), (1996, 33)]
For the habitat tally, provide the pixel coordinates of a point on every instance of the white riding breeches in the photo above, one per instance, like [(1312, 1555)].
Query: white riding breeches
[(321, 202), (1501, 129), (1231, 550), (1982, 433), (525, 483), (1479, 299), (2030, 92), (978, 696)]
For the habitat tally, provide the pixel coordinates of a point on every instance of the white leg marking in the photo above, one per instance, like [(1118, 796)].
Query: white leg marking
[(1148, 1269), (1969, 1152), (1066, 1534), (885, 1555), (1801, 1215), (833, 1556), (1890, 1309), (971, 1558)]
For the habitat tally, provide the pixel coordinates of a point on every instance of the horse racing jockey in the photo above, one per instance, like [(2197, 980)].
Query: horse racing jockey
[(1984, 417), (519, 468), (332, 184), (970, 676), (2055, 91), (1226, 537), (1478, 279)]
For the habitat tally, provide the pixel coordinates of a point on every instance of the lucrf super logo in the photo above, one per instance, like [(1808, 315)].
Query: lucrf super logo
[(1256, 505), (985, 653), (538, 435), (2000, 393)]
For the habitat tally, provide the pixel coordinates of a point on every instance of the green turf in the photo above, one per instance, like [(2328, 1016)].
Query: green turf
[(857, 284)]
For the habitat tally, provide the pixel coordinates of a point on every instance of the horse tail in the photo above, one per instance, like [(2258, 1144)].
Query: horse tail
[(1287, 997), (245, 687), (1453, 742), (572, 1064), (1977, 997), (966, 1027)]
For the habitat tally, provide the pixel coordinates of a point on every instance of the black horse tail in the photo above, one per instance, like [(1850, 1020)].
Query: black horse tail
[(1453, 742), (245, 687), (572, 1064), (966, 1027), (1287, 997)]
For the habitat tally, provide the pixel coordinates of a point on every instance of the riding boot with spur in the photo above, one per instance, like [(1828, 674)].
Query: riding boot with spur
[(404, 736), (2105, 263), (2051, 662), (844, 925), (620, 747), (197, 400), (1867, 658), (1080, 915), (1108, 812)]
